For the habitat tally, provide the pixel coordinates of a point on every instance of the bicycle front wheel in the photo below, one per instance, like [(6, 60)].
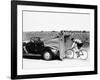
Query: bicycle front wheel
[(69, 53), (83, 54)]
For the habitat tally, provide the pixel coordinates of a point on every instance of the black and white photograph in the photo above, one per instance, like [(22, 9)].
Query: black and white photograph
[(47, 37), (55, 39)]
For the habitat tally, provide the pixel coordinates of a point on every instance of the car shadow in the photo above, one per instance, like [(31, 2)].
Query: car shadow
[(37, 58), (32, 57)]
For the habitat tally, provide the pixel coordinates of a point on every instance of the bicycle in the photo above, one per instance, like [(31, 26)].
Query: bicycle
[(82, 54)]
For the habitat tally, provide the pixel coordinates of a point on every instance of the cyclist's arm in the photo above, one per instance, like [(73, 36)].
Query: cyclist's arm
[(73, 45)]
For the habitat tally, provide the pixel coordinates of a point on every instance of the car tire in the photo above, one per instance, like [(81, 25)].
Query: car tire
[(47, 55)]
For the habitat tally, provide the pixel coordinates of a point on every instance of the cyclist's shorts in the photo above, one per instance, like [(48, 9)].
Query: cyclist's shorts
[(79, 45)]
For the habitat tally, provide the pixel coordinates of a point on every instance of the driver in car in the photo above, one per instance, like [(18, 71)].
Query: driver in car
[(34, 44)]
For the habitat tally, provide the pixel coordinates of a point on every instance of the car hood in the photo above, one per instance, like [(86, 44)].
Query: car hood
[(53, 43)]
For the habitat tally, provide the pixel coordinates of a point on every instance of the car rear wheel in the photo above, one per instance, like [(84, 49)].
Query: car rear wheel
[(47, 56)]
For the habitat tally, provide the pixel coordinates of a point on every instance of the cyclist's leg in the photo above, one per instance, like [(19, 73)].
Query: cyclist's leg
[(76, 52), (79, 53)]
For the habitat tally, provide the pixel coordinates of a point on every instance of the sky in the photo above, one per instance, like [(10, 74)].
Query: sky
[(55, 21)]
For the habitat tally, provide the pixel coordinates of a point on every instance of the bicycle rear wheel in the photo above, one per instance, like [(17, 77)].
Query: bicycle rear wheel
[(83, 54), (69, 54)]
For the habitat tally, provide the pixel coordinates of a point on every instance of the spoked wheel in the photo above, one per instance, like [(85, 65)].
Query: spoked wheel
[(83, 54), (69, 54), (47, 56)]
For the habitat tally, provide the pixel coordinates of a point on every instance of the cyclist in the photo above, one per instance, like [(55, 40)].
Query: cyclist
[(77, 44)]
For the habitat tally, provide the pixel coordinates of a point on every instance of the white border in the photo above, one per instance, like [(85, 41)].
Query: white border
[(20, 71)]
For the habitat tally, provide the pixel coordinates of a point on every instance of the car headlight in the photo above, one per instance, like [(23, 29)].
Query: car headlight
[(54, 50)]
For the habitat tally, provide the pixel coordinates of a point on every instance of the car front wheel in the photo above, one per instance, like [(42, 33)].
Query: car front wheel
[(47, 55)]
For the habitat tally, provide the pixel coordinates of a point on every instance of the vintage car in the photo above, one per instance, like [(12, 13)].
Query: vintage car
[(36, 47)]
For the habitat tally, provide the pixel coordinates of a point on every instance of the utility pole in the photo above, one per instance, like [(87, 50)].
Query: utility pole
[(61, 45)]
